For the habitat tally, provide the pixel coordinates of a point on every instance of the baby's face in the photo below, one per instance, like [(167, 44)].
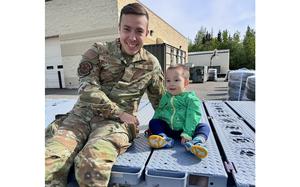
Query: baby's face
[(175, 82)]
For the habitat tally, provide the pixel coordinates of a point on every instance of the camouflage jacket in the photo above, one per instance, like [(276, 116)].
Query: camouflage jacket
[(112, 82)]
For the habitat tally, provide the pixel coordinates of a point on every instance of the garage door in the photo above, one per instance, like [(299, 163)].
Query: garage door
[(54, 76)]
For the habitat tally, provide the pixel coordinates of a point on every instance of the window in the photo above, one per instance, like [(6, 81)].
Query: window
[(151, 32)]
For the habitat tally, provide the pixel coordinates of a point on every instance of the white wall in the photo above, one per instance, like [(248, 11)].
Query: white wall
[(53, 59), (203, 59), (79, 24), (73, 16)]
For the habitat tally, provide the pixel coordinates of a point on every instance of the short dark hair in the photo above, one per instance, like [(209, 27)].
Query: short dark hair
[(185, 69), (134, 8)]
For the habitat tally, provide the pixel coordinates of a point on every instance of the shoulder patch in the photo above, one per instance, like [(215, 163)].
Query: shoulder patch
[(84, 69)]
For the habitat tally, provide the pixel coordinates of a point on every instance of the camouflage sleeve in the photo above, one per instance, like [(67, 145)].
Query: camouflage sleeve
[(156, 88), (89, 85)]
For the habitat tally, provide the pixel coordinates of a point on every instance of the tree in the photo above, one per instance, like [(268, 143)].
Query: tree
[(249, 46), (199, 37), (191, 46), (214, 44), (237, 53), (242, 53), (219, 36), (236, 37), (224, 44)]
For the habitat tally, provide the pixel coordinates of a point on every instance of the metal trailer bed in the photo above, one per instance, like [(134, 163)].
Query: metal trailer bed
[(231, 146)]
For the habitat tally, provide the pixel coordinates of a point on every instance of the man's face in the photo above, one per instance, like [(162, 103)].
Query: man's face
[(133, 31), (175, 82)]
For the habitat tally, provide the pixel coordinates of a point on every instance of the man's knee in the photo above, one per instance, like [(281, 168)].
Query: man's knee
[(53, 127), (77, 125), (98, 151), (68, 122), (114, 134)]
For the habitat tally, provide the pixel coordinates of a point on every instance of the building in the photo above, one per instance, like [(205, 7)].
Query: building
[(205, 58), (167, 54), (72, 26)]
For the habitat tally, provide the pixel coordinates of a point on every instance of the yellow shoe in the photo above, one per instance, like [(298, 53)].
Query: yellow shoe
[(199, 151), (156, 141)]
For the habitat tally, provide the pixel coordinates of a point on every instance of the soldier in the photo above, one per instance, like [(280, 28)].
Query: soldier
[(102, 124)]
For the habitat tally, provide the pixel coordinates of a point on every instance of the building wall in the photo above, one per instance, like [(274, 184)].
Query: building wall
[(203, 59), (73, 16), (79, 24), (54, 75), (166, 54)]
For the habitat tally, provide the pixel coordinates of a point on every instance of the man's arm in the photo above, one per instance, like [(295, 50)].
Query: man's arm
[(89, 85), (156, 88)]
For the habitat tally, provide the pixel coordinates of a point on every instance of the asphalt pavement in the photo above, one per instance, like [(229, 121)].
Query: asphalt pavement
[(210, 90)]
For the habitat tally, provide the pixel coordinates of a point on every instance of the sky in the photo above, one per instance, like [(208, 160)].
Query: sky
[(187, 16)]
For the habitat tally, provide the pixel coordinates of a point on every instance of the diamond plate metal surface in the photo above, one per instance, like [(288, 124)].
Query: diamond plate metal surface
[(129, 166), (136, 155), (237, 139), (177, 159), (62, 106), (145, 114), (246, 109), (143, 103), (57, 106)]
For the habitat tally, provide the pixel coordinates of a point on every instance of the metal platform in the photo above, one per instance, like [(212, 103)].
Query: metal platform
[(246, 109), (129, 166), (237, 141), (176, 167), (231, 147), (57, 106)]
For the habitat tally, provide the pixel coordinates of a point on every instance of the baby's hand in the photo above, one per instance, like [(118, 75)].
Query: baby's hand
[(183, 140)]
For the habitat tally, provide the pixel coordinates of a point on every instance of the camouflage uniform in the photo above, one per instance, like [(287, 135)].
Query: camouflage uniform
[(91, 134)]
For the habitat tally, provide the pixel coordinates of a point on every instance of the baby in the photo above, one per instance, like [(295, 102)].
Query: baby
[(178, 116)]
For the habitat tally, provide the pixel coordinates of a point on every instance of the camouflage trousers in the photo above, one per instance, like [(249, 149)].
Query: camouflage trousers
[(93, 148)]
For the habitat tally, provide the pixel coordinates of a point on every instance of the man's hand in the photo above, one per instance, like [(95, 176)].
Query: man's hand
[(183, 140), (130, 121), (128, 118)]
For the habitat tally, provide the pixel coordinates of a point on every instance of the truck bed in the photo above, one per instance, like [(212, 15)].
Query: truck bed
[(231, 146)]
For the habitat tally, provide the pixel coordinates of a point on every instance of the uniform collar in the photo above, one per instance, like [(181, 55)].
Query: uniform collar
[(140, 56)]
